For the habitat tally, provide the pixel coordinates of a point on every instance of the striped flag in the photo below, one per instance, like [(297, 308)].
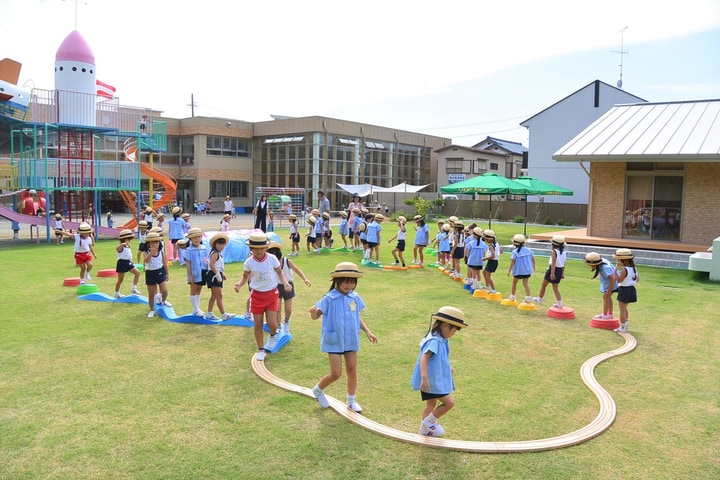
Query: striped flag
[(105, 90)]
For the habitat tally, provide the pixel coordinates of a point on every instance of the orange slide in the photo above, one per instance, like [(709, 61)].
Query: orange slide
[(167, 182)]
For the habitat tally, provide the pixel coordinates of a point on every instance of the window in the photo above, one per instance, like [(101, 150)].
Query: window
[(653, 200), (228, 146), (457, 165), (493, 166), (479, 166), (237, 189)]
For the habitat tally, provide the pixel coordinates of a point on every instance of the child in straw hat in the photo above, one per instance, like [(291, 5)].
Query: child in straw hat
[(288, 268), (156, 271), (215, 278), (340, 335), (608, 283), (294, 235), (522, 266), (310, 235), (422, 235), (125, 263), (492, 255), (627, 277), (58, 227), (555, 271), (401, 234), (196, 261), (433, 375), (84, 251), (262, 271), (175, 231), (225, 223), (344, 227)]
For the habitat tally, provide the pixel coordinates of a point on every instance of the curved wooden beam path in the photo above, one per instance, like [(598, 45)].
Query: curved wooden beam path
[(602, 421)]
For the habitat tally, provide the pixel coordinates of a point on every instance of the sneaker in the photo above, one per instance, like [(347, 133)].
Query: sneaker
[(421, 264), (227, 316), (211, 316), (355, 407), (414, 262), (321, 398), (537, 300), (82, 282), (87, 277), (622, 328), (118, 295), (529, 300), (198, 313), (511, 297), (151, 313), (606, 316), (396, 262), (166, 304), (558, 305), (271, 342), (134, 290), (158, 299), (260, 355), (434, 430)]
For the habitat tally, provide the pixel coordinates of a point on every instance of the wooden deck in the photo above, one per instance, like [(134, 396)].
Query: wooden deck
[(579, 236)]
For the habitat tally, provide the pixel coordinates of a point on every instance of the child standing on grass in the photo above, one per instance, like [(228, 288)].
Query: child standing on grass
[(433, 375), (156, 271), (294, 235), (492, 255), (288, 267), (215, 277), (373, 236), (442, 243), (522, 266), (357, 219), (84, 251), (340, 308), (262, 271), (608, 283), (125, 263), (422, 234), (271, 221), (58, 227), (142, 233), (401, 234), (344, 228), (161, 221), (311, 233), (196, 261), (555, 271), (176, 232), (627, 277), (457, 251), (475, 252)]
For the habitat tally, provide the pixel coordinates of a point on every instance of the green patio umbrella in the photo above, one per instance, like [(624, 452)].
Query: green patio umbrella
[(489, 184), (543, 188)]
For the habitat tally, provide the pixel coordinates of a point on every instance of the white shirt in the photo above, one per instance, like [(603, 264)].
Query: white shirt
[(263, 277)]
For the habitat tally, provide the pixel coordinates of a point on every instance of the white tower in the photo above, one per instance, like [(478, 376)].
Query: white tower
[(75, 81)]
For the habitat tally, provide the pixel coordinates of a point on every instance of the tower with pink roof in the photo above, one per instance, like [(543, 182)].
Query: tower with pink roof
[(75, 81)]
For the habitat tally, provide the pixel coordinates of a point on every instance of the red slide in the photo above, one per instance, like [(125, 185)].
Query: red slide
[(168, 183)]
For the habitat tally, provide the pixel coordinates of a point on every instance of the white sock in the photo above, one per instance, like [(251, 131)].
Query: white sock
[(194, 303), (431, 419), (350, 399)]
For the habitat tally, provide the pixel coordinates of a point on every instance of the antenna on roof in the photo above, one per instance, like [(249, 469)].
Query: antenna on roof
[(621, 52), (76, 12)]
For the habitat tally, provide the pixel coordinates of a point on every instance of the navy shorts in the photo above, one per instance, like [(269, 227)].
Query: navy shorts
[(491, 266), (203, 276), (372, 244), (310, 239), (124, 266), (558, 275), (627, 294), (155, 277), (210, 280), (400, 247), (520, 277), (351, 234), (284, 294), (295, 238), (459, 252), (475, 267), (429, 396)]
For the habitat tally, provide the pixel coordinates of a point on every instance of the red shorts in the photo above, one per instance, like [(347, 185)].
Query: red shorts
[(261, 302), (82, 257)]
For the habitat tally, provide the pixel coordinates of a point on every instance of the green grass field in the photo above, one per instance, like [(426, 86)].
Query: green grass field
[(97, 390)]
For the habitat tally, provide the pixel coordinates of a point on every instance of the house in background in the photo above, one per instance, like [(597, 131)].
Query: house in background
[(457, 163), (516, 152), (655, 173), (553, 127)]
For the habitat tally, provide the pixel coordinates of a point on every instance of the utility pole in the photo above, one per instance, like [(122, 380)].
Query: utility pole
[(192, 104)]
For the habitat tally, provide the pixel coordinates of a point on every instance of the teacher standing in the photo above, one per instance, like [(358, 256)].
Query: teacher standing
[(260, 211)]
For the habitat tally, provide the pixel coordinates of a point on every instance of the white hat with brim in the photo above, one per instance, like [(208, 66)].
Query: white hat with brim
[(450, 315), (593, 258), (84, 228), (346, 270), (623, 254), (257, 240)]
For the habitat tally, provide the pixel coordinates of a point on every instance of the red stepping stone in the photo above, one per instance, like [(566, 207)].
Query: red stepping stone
[(71, 282), (606, 324), (561, 313), (107, 273)]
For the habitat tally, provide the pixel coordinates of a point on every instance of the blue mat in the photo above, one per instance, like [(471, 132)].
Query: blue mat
[(104, 297), (281, 339)]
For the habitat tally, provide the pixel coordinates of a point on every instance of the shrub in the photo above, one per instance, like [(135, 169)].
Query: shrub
[(561, 222), (422, 206), (399, 213), (547, 221), (519, 219)]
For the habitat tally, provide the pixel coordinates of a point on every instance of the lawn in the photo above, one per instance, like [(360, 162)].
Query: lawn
[(97, 390)]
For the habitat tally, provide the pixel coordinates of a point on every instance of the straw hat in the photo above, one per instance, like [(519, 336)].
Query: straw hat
[(274, 245), (401, 219), (593, 258), (148, 210), (623, 254), (343, 214), (326, 216), (156, 230), (311, 220), (227, 197), (558, 240), (292, 216), (459, 223), (450, 315), (446, 227), (194, 233), (185, 216), (362, 227), (477, 231), (315, 211), (84, 227), (160, 215), (126, 234), (489, 234), (153, 237), (142, 224), (217, 237), (518, 239), (257, 240), (418, 218), (346, 270), (453, 219), (356, 211), (379, 217), (365, 210), (182, 243), (58, 216), (176, 210), (226, 216)]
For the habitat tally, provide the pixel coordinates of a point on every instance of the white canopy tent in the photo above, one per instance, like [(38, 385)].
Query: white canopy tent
[(365, 189)]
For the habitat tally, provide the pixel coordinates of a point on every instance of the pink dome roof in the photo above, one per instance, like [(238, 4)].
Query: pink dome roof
[(74, 47)]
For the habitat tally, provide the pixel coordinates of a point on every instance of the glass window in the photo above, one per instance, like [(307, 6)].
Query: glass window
[(228, 146), (653, 206), (237, 189)]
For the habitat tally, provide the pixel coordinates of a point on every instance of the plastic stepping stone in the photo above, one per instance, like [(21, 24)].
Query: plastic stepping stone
[(87, 288), (71, 282), (561, 313), (107, 273), (604, 323)]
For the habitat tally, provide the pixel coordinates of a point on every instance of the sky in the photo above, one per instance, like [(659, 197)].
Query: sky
[(462, 69)]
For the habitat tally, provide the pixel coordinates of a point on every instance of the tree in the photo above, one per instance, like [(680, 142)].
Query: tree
[(422, 206)]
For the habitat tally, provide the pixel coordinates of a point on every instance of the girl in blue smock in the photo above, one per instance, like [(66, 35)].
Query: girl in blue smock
[(433, 375), (608, 282), (522, 265), (340, 336)]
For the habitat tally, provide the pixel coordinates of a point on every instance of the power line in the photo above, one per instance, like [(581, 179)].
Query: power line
[(489, 122)]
